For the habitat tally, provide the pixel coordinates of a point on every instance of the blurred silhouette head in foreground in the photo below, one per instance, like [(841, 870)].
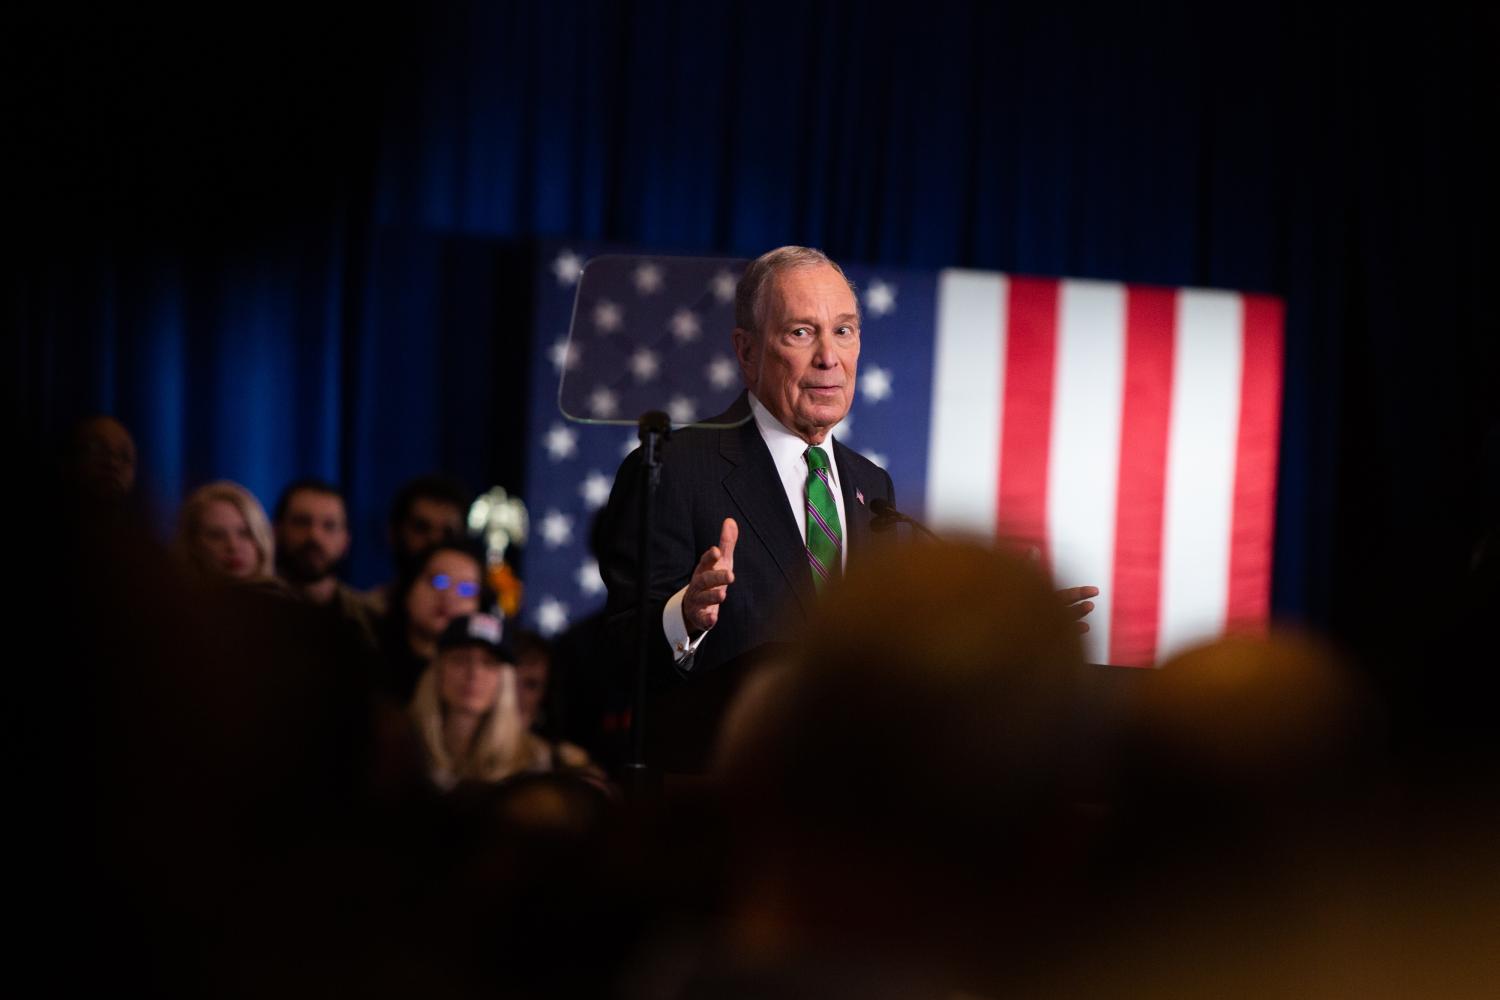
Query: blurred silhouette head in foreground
[(902, 792), (1253, 845)]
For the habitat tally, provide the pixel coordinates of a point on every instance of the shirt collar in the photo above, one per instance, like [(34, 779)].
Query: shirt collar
[(788, 450)]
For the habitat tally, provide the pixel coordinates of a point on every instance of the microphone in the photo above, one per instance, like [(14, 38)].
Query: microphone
[(887, 517), (883, 508)]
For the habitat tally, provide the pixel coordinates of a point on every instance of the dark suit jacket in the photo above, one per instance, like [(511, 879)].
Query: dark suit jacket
[(708, 475)]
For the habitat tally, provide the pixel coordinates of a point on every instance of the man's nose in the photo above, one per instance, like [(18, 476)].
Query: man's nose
[(824, 354)]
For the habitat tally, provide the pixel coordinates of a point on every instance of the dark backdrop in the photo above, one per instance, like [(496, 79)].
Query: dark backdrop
[(298, 243)]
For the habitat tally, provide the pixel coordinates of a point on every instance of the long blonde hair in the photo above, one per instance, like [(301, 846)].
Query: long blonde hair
[(242, 500), (499, 746)]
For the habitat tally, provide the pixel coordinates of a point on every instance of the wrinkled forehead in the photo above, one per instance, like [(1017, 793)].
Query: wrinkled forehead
[(810, 292)]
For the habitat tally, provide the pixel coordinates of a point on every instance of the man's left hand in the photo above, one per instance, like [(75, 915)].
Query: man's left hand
[(1076, 600)]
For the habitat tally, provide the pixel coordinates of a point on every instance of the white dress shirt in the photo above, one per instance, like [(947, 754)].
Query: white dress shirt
[(789, 455)]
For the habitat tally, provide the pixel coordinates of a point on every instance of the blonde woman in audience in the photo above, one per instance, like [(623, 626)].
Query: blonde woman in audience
[(471, 717), (222, 533), (465, 705)]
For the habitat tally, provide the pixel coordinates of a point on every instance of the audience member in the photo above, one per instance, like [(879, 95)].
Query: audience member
[(445, 582), (209, 820), (1252, 845), (222, 532), (100, 459), (900, 796), (533, 664), (472, 711), (539, 902), (426, 511), (904, 810), (312, 539), (465, 704), (545, 750)]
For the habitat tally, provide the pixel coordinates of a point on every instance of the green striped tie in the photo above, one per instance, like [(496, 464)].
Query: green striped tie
[(825, 536)]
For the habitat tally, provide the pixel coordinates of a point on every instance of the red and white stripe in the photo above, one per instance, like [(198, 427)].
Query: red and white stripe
[(1129, 432)]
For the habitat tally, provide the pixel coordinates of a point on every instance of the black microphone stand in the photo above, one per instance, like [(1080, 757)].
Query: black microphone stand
[(654, 428)]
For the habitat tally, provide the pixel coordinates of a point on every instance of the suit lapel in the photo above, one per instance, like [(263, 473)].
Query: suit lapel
[(856, 512), (755, 487)]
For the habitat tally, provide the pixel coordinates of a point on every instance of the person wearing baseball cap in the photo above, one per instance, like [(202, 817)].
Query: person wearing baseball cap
[(465, 705)]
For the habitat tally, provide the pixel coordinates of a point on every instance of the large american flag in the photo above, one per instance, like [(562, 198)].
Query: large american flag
[(1129, 432)]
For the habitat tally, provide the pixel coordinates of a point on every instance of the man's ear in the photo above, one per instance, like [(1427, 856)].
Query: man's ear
[(747, 351)]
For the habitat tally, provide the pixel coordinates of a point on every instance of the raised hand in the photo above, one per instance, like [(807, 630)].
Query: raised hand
[(710, 583)]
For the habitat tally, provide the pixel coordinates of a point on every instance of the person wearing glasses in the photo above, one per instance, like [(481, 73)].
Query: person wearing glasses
[(444, 583)]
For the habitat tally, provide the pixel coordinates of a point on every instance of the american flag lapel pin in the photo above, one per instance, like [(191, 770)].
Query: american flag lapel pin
[(859, 494)]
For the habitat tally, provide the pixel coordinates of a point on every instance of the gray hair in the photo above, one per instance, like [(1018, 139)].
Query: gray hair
[(749, 295)]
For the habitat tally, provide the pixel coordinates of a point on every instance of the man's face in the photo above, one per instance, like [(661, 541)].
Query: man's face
[(428, 522), (801, 363), (312, 536)]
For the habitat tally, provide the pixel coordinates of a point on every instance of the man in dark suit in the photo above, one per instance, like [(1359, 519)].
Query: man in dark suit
[(733, 565), (753, 518), (753, 583)]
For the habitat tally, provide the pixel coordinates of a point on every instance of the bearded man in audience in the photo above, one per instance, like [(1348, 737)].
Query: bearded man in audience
[(312, 539)]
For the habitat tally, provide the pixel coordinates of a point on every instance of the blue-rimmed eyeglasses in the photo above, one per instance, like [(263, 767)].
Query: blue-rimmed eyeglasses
[(463, 588)]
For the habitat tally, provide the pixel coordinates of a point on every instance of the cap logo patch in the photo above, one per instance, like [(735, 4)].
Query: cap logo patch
[(486, 627)]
